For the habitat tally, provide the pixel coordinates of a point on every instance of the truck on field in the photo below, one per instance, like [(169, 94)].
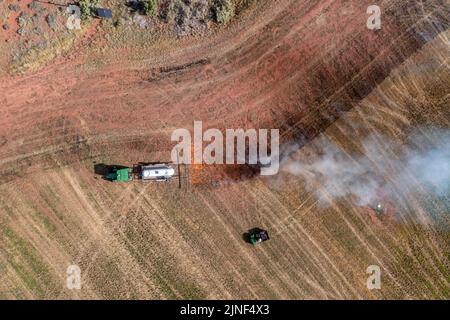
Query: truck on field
[(144, 172)]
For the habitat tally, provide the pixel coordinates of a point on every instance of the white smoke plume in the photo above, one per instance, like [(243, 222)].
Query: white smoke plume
[(421, 165)]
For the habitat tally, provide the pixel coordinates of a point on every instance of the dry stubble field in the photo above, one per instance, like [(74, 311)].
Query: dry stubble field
[(310, 68)]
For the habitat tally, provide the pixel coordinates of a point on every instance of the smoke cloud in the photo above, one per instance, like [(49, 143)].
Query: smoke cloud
[(382, 166)]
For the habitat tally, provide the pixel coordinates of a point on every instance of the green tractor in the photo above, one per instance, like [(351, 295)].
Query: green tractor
[(119, 175), (256, 236)]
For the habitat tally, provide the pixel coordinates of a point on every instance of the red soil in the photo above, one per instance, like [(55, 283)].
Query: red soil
[(296, 67)]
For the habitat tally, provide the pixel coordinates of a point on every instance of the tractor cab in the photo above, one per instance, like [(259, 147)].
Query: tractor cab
[(257, 235), (119, 175)]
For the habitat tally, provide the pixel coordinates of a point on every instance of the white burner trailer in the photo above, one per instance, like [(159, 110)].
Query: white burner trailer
[(158, 172)]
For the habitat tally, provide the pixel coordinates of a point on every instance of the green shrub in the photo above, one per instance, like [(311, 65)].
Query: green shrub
[(223, 10), (87, 7), (151, 7)]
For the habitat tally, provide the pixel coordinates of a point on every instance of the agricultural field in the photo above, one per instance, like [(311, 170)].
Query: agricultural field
[(363, 117)]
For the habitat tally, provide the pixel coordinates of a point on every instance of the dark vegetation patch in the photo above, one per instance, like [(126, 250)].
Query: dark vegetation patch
[(190, 16)]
